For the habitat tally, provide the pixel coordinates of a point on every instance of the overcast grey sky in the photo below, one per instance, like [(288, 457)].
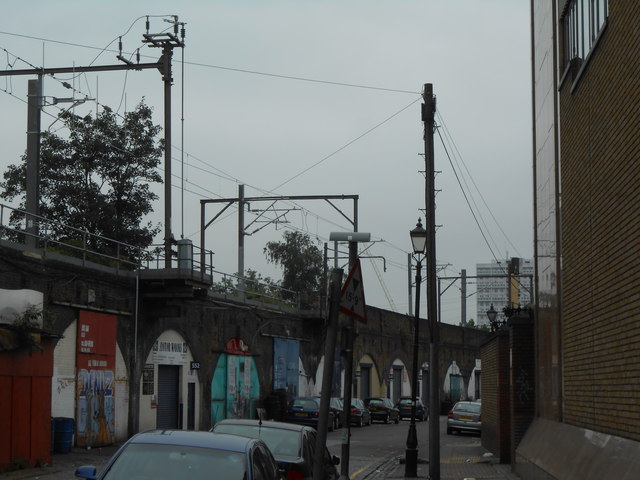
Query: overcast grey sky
[(315, 98)]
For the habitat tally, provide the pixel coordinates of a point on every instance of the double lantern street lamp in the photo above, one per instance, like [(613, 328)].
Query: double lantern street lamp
[(418, 240), (492, 314)]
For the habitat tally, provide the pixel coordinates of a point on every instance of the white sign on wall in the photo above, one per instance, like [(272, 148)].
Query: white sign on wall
[(169, 352)]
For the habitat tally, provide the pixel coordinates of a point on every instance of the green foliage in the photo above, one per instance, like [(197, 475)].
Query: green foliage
[(98, 178), (472, 324), (256, 287), (25, 324), (301, 261)]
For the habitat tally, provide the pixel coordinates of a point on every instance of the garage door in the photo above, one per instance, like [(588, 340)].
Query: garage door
[(167, 412)]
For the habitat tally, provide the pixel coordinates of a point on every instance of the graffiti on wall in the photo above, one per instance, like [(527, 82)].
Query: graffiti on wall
[(95, 360), (96, 408)]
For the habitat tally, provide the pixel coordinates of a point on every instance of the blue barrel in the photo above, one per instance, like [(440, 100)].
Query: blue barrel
[(64, 429)]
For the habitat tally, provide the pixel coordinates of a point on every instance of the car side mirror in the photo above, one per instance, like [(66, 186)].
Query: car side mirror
[(336, 460), (87, 471)]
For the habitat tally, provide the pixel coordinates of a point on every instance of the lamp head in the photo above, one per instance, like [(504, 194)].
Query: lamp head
[(418, 238), (491, 314)]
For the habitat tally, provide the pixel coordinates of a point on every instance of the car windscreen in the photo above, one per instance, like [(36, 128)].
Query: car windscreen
[(281, 442), (468, 407), (307, 404), (171, 462)]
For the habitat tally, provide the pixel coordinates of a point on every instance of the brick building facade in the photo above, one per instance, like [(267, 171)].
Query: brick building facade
[(586, 98)]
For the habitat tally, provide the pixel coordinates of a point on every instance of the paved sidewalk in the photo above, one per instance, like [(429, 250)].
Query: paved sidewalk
[(452, 468), (63, 465)]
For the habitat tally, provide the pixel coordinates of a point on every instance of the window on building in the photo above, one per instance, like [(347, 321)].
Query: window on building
[(583, 21), (147, 380)]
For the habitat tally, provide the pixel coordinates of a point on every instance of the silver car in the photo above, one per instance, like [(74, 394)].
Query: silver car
[(465, 417)]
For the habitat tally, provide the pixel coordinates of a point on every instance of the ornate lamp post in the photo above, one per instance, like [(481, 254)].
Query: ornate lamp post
[(492, 313), (418, 240)]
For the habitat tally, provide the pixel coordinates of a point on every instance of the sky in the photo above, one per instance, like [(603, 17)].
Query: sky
[(312, 98)]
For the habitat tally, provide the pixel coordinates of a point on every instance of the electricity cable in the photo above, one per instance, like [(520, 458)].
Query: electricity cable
[(220, 67)]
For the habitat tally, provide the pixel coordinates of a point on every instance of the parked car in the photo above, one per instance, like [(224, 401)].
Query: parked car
[(337, 407), (465, 417), (188, 455), (306, 411), (382, 409), (405, 404), (360, 415), (293, 446)]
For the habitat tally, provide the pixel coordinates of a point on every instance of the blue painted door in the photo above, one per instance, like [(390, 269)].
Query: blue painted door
[(286, 365)]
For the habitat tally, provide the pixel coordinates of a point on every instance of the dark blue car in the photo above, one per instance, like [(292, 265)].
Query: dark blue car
[(187, 455), (306, 411)]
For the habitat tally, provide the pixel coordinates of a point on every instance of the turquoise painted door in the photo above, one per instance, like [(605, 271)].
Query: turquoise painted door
[(456, 387), (235, 389)]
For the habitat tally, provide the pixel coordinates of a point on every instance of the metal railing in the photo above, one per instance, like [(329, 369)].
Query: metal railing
[(188, 257), (234, 287), (55, 238)]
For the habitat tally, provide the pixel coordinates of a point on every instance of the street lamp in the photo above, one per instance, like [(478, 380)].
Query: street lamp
[(418, 240), (492, 313)]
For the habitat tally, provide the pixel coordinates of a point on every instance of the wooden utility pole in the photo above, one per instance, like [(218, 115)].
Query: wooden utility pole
[(428, 112), (327, 372)]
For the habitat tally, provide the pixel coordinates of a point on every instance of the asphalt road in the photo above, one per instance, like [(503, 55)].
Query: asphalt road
[(372, 449)]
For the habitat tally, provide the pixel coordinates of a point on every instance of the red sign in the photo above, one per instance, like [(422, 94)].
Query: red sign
[(96, 340), (236, 346)]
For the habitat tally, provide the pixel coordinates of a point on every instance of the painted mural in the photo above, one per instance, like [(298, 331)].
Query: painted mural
[(96, 362), (235, 389)]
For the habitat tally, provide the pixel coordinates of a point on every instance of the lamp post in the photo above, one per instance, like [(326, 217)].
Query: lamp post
[(492, 313), (418, 240)]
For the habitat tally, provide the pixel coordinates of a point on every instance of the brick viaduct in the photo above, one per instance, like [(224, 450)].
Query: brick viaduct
[(152, 305)]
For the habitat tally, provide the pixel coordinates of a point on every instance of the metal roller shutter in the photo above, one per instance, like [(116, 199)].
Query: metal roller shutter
[(167, 413)]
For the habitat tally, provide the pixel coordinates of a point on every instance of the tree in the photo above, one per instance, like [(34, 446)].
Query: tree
[(255, 285), (302, 264), (98, 178)]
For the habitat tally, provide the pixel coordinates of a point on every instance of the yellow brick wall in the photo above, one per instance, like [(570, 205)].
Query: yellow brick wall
[(600, 231)]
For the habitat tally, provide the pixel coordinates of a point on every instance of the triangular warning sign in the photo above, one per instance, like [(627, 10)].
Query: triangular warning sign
[(352, 300)]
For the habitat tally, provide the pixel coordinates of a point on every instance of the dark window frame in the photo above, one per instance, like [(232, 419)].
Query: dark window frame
[(583, 23)]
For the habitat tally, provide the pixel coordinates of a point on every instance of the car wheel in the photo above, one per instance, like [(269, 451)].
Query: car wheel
[(332, 425), (386, 418), (449, 431), (360, 422), (397, 420)]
